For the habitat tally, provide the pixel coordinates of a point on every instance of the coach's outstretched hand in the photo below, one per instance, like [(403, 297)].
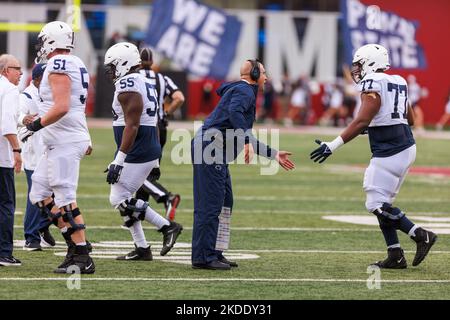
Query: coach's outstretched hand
[(114, 170), (283, 159), (321, 153)]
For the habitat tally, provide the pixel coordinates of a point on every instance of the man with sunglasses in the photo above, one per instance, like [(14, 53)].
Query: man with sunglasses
[(10, 158)]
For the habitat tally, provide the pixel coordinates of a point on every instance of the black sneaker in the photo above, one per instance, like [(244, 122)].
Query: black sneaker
[(143, 254), (46, 238), (170, 235), (9, 262), (395, 260), (424, 240), (32, 246), (173, 200)]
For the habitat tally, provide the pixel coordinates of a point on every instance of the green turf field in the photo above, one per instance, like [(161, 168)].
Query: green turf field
[(284, 247)]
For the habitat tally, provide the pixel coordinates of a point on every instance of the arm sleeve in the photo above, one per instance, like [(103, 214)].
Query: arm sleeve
[(9, 112), (238, 104), (262, 149)]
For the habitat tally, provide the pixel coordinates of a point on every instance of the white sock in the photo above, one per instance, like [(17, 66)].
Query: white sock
[(137, 232), (80, 243), (397, 245), (412, 231), (155, 219)]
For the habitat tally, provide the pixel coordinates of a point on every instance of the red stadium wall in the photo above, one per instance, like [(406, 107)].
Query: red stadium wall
[(433, 35)]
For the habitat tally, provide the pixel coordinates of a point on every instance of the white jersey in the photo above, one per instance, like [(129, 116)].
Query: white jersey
[(393, 91), (72, 127), (389, 132), (136, 82), (146, 146), (33, 148)]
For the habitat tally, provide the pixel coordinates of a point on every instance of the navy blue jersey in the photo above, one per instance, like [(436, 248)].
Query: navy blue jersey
[(142, 151)]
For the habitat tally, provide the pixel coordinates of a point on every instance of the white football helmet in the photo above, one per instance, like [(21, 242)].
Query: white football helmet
[(54, 35), (369, 59), (120, 58)]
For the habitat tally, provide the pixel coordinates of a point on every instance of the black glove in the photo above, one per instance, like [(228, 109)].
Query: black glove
[(35, 125), (165, 120), (365, 131), (114, 170), (321, 153), (155, 174)]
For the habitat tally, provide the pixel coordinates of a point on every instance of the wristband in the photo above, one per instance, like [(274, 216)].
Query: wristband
[(120, 158), (335, 144), (17, 150)]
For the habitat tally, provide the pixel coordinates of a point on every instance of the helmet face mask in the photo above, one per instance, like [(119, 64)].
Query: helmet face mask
[(356, 71), (120, 59), (54, 35), (369, 59)]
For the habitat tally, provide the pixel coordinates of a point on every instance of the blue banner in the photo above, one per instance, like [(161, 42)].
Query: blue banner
[(363, 24), (200, 39)]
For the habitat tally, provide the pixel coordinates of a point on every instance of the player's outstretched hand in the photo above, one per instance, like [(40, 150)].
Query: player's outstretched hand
[(321, 153), (283, 159), (114, 170)]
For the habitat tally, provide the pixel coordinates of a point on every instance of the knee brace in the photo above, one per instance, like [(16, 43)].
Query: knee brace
[(69, 215), (388, 216), (46, 210), (132, 210)]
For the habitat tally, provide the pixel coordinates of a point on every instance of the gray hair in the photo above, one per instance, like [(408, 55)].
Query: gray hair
[(4, 60)]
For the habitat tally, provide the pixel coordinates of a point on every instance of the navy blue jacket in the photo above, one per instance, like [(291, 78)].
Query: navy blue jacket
[(237, 110)]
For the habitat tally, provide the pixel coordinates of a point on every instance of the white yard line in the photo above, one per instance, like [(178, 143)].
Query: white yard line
[(87, 278), (241, 228), (276, 198)]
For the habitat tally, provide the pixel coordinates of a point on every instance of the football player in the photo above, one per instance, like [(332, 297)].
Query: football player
[(387, 114), (135, 106), (66, 138), (165, 88)]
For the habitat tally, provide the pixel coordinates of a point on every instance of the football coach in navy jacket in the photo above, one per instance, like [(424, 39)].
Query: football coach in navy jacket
[(212, 148)]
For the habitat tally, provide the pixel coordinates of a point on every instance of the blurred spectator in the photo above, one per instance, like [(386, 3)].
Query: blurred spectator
[(115, 38), (207, 97), (268, 102), (283, 89), (333, 100), (446, 116), (415, 94), (300, 103), (352, 99)]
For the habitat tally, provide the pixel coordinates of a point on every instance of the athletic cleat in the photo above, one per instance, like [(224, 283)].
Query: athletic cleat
[(32, 246), (173, 200), (10, 262), (84, 262), (47, 239), (424, 240), (68, 259), (170, 235), (395, 260), (142, 254)]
